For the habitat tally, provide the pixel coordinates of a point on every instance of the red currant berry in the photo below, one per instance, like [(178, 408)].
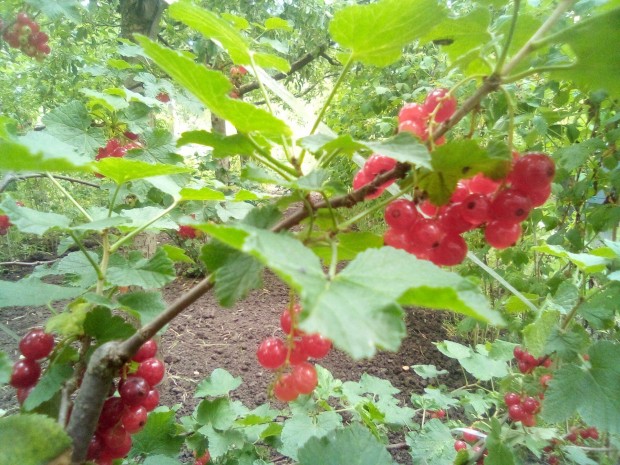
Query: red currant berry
[(512, 398), (427, 233), (304, 378), (22, 18), (539, 196), (187, 231), (25, 373), (146, 350), (412, 112), (544, 380), (286, 320), (501, 235), (428, 208), (271, 353), (401, 214), (111, 412), (316, 346), (203, 459), (518, 353), (378, 164), (134, 390), (593, 433), (510, 206), (475, 209), (531, 405), (553, 460), (94, 448), (396, 238), (452, 221), (470, 436), (480, 184), (532, 170), (516, 413), (285, 389), (298, 353), (152, 400), (528, 420), (450, 251), (134, 418), (36, 344), (460, 193), (572, 436), (152, 370), (442, 99), (417, 128), (460, 445)]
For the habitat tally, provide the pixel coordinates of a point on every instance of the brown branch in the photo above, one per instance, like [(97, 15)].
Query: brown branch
[(45, 262), (9, 178), (295, 66)]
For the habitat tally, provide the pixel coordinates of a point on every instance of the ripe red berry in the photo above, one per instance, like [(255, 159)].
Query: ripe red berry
[(134, 390), (25, 373), (304, 378), (512, 398), (134, 418), (441, 99), (163, 97), (187, 232), (396, 238), (146, 350), (532, 171), (152, 370), (36, 344), (286, 320), (516, 413), (470, 436), (501, 234), (378, 164), (426, 233), (111, 412), (298, 353), (510, 206), (401, 214), (316, 346), (23, 393), (94, 448), (475, 209), (450, 251), (271, 353), (412, 112), (531, 405), (152, 400), (480, 184), (460, 445), (451, 220), (417, 128), (544, 380), (528, 420), (203, 459), (284, 389)]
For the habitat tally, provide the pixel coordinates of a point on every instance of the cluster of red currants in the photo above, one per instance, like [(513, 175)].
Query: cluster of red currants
[(575, 435), (527, 362), (34, 346), (471, 437), (275, 353), (163, 97), (126, 414), (5, 224), (416, 118), (434, 233), (25, 34), (187, 232), (523, 409), (115, 149)]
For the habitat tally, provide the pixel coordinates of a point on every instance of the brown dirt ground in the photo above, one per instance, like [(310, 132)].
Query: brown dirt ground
[(206, 337)]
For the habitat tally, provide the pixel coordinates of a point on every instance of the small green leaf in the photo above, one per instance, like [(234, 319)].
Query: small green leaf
[(349, 245), (220, 383), (32, 292), (376, 33), (432, 445), (159, 436), (70, 9), (220, 442), (568, 342), (223, 146), (587, 263), (299, 429), (122, 170), (218, 413), (160, 460), (565, 298), (500, 453), (6, 367), (31, 440), (33, 221), (318, 144), (146, 304), (600, 308), (138, 271), (71, 123), (158, 148), (537, 333), (203, 194), (176, 254), (478, 363), (272, 24), (102, 325), (428, 371), (403, 147), (575, 155), (212, 88), (590, 390), (49, 384)]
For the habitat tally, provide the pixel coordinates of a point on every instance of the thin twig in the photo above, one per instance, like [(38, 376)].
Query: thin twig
[(9, 178)]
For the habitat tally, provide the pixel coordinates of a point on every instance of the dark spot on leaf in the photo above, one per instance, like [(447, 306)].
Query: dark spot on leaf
[(443, 41)]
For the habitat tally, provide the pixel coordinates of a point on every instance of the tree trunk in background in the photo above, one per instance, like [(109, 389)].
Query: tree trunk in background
[(141, 17)]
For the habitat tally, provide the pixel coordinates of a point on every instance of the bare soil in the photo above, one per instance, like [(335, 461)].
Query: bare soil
[(206, 337)]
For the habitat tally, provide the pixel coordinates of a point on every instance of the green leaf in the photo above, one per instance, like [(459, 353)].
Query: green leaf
[(223, 145), (205, 193), (319, 144), (236, 273), (6, 368), (568, 342), (537, 333), (122, 170), (565, 298), (376, 33), (218, 413), (313, 181), (478, 363), (145, 215), (71, 321), (299, 429), (100, 225), (102, 325), (212, 27), (596, 67), (70, 9), (220, 383), (71, 123), (160, 460), (158, 148), (176, 254), (428, 371), (462, 35), (37, 152), (138, 271), (459, 160), (49, 384), (33, 221), (159, 436), (575, 155), (499, 452), (587, 263), (212, 88), (220, 442), (31, 440), (349, 245), (147, 305), (600, 308), (404, 147), (272, 24), (32, 292), (433, 445), (590, 390)]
